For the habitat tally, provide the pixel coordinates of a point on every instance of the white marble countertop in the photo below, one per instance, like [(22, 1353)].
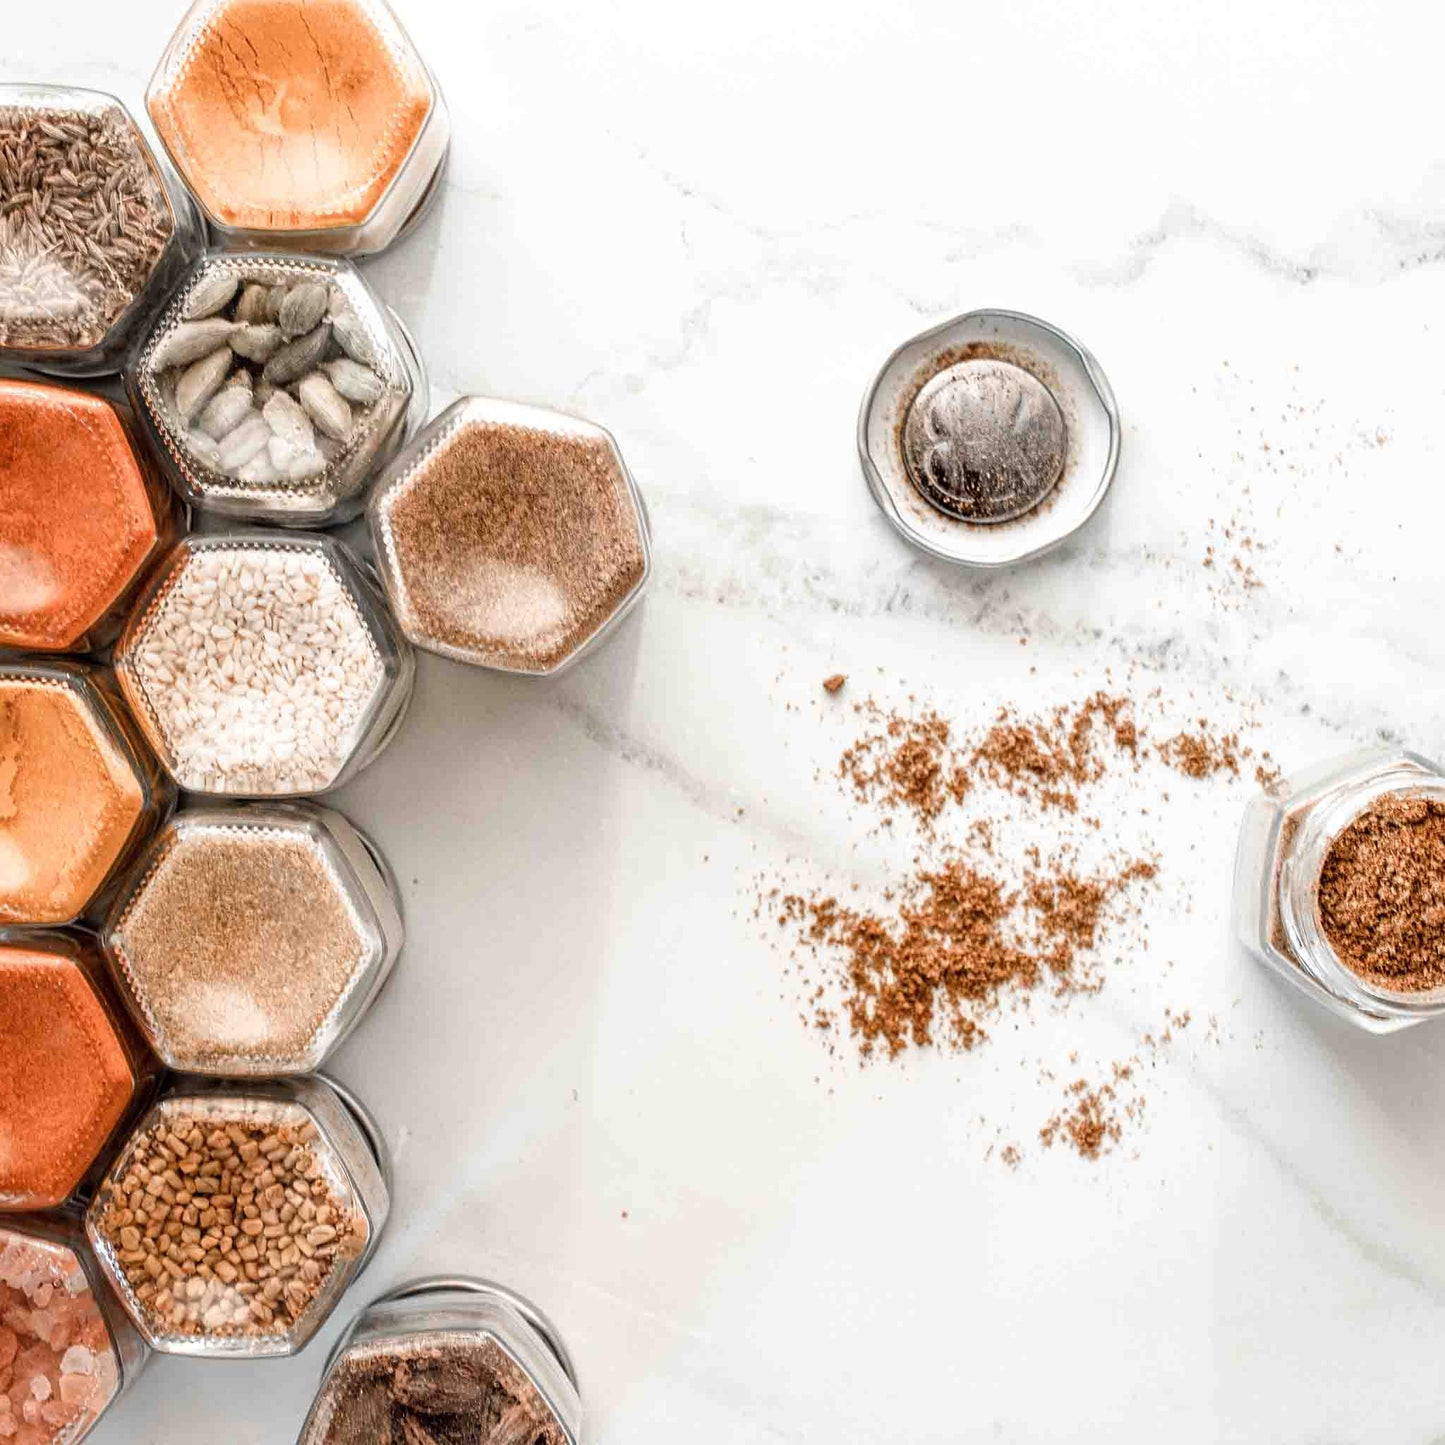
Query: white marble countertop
[(706, 229)]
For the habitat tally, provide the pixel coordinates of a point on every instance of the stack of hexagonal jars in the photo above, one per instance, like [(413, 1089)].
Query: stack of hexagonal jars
[(175, 1173)]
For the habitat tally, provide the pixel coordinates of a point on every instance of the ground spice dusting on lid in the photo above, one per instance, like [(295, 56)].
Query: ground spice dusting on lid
[(1382, 894), (432, 1388)]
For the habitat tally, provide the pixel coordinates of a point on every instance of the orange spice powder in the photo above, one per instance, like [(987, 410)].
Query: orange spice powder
[(292, 114), (68, 1071), (78, 519), (70, 800)]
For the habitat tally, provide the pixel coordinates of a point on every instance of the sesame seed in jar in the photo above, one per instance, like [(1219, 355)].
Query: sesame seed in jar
[(263, 666)]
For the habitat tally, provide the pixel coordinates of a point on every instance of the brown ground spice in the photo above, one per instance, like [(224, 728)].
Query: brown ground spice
[(932, 967), (1382, 894), (1202, 754)]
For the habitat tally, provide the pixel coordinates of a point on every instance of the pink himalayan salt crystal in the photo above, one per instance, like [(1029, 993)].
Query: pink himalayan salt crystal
[(58, 1368)]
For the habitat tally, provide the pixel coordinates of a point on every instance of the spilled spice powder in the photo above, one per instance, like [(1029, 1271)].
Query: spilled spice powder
[(905, 762), (934, 965), (1382, 894), (1201, 754)]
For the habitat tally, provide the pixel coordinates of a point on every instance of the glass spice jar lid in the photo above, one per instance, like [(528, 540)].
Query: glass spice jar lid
[(273, 386), (510, 537), (237, 1215), (84, 517), (264, 664), (72, 1068), (448, 1359), (251, 939), (93, 229), (989, 439), (70, 1351), (79, 790), (307, 125)]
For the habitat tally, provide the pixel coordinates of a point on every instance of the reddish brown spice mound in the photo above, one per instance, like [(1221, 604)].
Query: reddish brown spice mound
[(1202, 754), (835, 683), (1382, 894), (905, 762), (932, 967)]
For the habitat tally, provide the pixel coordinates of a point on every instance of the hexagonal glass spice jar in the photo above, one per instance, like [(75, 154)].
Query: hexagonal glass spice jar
[(237, 1215), (251, 939), (1338, 886), (510, 537), (308, 125), (94, 230), (79, 790), (448, 1358), (274, 385), (73, 1068), (73, 1351), (84, 517), (264, 664)]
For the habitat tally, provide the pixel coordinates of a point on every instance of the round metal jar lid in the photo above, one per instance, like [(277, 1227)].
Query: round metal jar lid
[(989, 439)]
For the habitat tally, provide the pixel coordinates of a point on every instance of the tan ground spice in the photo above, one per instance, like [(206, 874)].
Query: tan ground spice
[(1382, 894)]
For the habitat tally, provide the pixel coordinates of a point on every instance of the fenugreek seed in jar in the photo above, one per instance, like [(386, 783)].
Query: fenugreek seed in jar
[(235, 1218), (264, 665)]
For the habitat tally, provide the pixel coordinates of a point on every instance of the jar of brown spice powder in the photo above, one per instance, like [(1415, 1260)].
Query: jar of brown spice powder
[(448, 1359), (250, 940), (1340, 886), (510, 537), (94, 229), (238, 1215)]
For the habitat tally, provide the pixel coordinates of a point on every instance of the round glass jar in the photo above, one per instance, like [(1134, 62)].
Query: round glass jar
[(94, 230), (510, 537), (273, 385), (1286, 843), (237, 1215), (79, 790), (448, 1352), (249, 940), (246, 87), (84, 517), (989, 439), (72, 1070), (76, 1353), (264, 664)]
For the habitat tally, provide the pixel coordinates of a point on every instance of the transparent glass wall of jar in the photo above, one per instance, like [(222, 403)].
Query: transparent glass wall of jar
[(255, 1272), (249, 940), (1284, 842), (81, 790), (75, 1351), (274, 385), (83, 517), (94, 230), (246, 86), (464, 1353), (264, 664)]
